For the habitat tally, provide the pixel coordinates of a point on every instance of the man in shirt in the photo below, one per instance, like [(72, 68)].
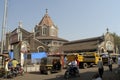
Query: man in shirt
[(75, 66), (74, 63), (14, 63), (110, 61), (100, 67)]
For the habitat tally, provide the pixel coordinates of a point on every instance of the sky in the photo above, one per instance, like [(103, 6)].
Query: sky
[(75, 19)]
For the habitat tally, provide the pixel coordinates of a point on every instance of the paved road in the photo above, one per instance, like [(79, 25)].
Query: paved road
[(86, 74)]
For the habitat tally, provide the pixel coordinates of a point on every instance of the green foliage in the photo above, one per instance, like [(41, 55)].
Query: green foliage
[(116, 39)]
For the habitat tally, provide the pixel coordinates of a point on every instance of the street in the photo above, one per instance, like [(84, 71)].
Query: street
[(85, 74)]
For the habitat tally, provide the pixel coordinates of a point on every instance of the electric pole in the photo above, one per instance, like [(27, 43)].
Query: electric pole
[(3, 27)]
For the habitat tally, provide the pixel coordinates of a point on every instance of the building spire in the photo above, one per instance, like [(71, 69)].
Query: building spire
[(20, 24), (107, 30), (46, 11), (46, 20)]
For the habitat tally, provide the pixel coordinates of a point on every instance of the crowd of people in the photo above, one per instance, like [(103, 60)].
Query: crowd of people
[(10, 64)]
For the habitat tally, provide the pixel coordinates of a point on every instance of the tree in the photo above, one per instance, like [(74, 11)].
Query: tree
[(116, 39), (116, 42)]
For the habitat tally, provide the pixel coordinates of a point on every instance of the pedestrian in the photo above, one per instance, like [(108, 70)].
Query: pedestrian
[(6, 64), (6, 68), (110, 61), (100, 67)]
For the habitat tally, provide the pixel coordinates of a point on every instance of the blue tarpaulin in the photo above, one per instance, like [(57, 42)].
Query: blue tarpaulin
[(38, 55)]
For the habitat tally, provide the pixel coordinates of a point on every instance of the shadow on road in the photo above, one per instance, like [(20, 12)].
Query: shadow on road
[(107, 75), (38, 73)]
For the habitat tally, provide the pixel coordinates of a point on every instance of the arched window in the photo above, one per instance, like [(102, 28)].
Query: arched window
[(41, 49), (44, 31)]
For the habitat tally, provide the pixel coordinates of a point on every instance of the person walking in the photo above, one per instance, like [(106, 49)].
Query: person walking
[(100, 67), (110, 61), (6, 68)]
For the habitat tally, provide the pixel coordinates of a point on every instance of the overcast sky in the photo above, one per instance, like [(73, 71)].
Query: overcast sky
[(76, 19)]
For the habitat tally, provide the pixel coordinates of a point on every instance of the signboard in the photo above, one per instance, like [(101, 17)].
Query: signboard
[(14, 38)]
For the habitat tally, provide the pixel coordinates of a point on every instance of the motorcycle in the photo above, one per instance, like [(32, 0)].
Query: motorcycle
[(13, 72), (16, 71), (71, 72), (20, 70)]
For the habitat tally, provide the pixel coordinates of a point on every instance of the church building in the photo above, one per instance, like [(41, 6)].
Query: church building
[(43, 39), (101, 44)]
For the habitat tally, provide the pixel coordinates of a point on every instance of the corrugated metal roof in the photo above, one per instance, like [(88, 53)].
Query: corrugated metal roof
[(90, 44)]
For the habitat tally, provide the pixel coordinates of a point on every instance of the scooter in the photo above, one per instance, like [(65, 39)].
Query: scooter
[(71, 72)]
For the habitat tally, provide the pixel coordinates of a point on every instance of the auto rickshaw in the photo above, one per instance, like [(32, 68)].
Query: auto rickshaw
[(50, 64)]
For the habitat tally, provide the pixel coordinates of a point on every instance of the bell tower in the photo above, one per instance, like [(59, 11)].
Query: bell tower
[(46, 27)]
